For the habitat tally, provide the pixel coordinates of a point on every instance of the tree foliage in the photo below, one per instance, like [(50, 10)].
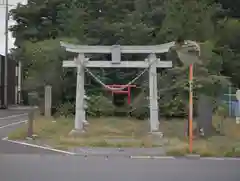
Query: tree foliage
[(40, 25)]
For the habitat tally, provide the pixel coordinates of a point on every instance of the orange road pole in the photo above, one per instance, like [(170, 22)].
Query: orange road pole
[(190, 126)]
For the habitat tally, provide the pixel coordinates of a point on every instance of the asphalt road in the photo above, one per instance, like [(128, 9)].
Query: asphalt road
[(74, 168), (8, 117), (23, 163), (11, 112)]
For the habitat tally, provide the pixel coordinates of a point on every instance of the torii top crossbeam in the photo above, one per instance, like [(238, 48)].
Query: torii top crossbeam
[(116, 51), (140, 49)]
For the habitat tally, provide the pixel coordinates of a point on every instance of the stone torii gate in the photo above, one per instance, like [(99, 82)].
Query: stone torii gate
[(152, 62)]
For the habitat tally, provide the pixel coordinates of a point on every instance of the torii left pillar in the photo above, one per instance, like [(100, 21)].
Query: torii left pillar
[(79, 107)]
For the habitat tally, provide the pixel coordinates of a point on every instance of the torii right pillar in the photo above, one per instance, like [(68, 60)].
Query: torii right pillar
[(153, 94)]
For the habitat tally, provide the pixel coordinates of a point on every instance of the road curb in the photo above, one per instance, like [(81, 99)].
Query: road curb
[(220, 158)]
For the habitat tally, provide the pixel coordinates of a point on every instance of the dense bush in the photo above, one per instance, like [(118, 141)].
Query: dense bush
[(65, 109), (99, 105)]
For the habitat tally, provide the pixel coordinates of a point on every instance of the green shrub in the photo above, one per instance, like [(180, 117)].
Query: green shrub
[(234, 152), (140, 112), (99, 105), (66, 109)]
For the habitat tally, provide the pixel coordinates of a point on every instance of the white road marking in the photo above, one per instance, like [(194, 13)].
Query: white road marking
[(163, 157), (41, 147), (212, 158), (140, 157), (13, 116), (170, 157), (219, 158), (152, 157), (12, 124)]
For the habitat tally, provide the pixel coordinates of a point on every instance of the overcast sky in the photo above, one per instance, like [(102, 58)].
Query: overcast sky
[(12, 4)]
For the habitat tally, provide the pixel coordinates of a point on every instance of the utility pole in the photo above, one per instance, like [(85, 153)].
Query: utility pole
[(6, 57), (2, 83)]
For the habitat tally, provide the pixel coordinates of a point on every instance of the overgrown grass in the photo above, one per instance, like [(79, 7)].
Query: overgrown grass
[(226, 142), (102, 132), (45, 129), (124, 132)]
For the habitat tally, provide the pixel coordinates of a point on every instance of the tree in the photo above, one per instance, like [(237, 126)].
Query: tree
[(228, 48), (189, 19), (231, 7), (41, 24), (38, 20), (43, 66)]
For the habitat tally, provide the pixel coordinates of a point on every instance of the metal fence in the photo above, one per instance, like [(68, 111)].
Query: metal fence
[(229, 98)]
